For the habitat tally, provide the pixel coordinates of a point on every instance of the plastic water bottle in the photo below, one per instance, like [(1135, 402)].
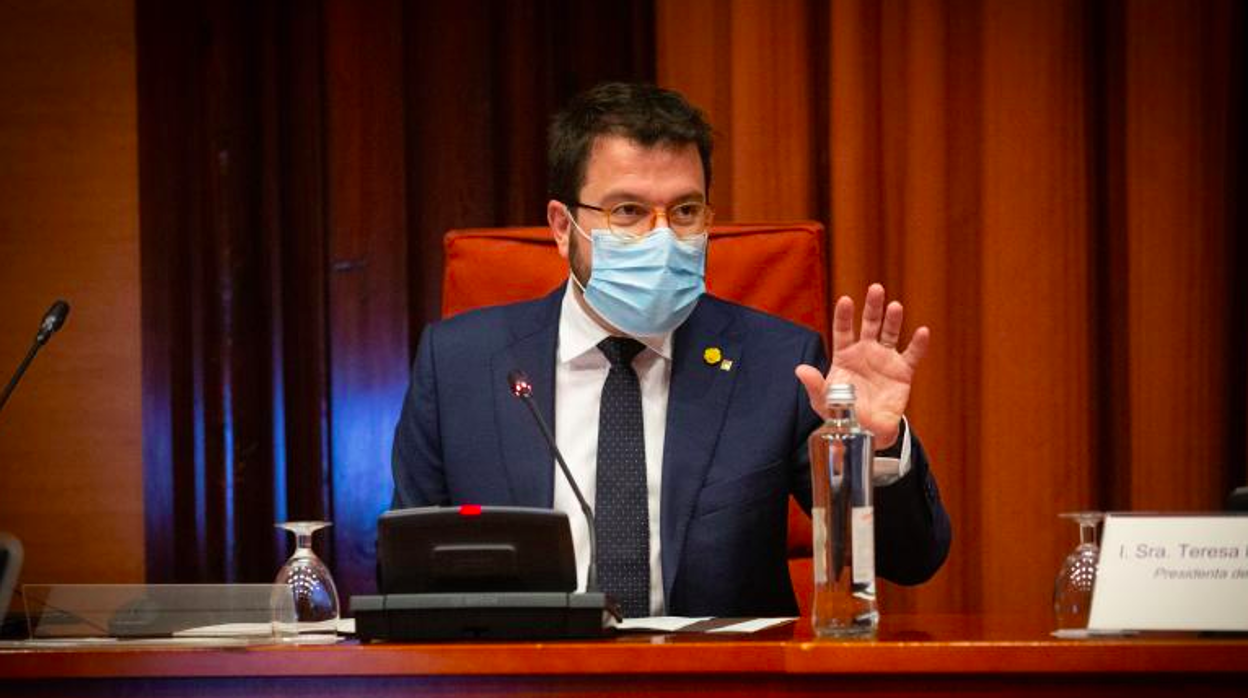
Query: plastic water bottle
[(841, 456)]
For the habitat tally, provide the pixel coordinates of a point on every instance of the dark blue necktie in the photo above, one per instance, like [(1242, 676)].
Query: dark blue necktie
[(622, 519)]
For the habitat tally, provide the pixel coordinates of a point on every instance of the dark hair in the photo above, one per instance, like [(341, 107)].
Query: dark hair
[(646, 114)]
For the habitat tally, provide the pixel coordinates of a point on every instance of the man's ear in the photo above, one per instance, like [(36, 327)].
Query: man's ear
[(560, 226)]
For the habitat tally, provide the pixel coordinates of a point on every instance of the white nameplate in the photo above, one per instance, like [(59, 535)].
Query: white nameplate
[(1172, 573)]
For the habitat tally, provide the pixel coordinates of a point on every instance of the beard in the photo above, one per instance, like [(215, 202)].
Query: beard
[(580, 267)]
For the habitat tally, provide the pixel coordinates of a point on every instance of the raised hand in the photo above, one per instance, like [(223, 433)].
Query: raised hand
[(881, 374)]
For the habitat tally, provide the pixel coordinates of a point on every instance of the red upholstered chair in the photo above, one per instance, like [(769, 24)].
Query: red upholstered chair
[(776, 267)]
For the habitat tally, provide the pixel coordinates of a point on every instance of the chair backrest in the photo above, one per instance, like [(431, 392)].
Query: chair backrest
[(776, 267), (780, 268)]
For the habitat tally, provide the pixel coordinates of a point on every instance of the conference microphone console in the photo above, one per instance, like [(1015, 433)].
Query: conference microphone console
[(482, 615), (478, 572)]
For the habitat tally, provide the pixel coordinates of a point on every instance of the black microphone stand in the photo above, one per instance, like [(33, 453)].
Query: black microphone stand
[(52, 321), (521, 388)]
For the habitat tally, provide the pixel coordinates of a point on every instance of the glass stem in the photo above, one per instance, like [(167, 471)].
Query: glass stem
[(1087, 533), (303, 541)]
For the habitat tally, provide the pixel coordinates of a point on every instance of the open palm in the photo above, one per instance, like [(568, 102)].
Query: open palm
[(881, 375)]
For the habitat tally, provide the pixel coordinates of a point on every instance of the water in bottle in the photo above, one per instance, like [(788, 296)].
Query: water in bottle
[(841, 456)]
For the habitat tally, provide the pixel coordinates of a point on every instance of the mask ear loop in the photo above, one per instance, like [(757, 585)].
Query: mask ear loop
[(572, 273), (571, 269)]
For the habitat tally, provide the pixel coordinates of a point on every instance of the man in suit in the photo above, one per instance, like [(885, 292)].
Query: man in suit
[(679, 413)]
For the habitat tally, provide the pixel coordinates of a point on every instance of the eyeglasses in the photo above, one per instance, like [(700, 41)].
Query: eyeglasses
[(633, 220)]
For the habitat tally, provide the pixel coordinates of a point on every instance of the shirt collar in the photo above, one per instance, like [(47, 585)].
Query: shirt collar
[(579, 333)]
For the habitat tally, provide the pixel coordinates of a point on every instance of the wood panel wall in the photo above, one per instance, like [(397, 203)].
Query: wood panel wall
[(70, 438)]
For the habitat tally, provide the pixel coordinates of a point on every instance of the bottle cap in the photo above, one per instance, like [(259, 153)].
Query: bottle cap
[(841, 393)]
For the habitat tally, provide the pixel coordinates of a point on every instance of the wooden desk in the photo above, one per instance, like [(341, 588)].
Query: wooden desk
[(927, 655)]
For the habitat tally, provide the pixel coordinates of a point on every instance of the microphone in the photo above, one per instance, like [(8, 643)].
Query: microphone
[(522, 389), (53, 320)]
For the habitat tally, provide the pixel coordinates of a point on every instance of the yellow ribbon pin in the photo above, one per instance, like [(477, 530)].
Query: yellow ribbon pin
[(712, 356)]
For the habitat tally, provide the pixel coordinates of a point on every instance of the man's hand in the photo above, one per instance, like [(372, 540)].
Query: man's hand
[(880, 373)]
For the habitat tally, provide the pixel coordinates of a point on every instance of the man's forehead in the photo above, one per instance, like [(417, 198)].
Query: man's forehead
[(606, 143), (614, 158)]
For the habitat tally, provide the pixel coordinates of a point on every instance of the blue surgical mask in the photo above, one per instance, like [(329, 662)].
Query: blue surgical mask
[(645, 287)]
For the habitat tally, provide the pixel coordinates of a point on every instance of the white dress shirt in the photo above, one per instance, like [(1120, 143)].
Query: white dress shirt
[(580, 371)]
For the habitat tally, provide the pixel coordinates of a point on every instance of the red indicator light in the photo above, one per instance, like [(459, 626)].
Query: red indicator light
[(470, 510)]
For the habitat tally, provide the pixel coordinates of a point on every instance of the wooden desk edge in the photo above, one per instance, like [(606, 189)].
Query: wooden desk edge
[(639, 658)]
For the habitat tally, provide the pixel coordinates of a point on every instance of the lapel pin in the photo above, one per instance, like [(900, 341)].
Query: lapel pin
[(726, 365), (712, 356)]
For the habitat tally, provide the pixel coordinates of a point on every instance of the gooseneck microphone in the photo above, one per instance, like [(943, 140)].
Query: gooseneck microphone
[(523, 389), (53, 320)]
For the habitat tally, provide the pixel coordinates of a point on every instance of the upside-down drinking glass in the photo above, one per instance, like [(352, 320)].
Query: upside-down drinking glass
[(1072, 592), (316, 597)]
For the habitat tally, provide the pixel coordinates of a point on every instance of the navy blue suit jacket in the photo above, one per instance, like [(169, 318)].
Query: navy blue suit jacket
[(735, 448)]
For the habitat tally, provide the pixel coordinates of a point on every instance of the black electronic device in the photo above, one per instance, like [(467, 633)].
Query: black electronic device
[(474, 572), (473, 548)]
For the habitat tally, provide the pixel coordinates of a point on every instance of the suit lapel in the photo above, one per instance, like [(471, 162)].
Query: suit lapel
[(526, 456), (697, 403)]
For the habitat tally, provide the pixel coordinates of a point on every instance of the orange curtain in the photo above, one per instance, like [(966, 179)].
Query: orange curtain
[(1052, 187)]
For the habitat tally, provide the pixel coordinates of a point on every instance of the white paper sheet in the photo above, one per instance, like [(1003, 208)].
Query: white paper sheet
[(658, 624), (752, 626), (709, 624)]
